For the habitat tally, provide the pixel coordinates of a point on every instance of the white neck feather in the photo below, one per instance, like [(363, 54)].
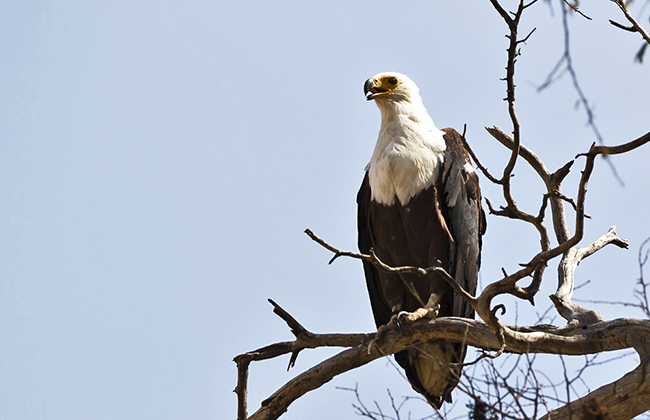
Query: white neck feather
[(408, 152)]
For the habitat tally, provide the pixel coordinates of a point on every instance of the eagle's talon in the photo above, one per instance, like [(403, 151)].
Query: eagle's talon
[(402, 318), (383, 329), (433, 313), (410, 317), (393, 324)]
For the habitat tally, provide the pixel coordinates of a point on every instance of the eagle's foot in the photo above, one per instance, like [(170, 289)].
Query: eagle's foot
[(390, 325), (402, 318), (410, 317)]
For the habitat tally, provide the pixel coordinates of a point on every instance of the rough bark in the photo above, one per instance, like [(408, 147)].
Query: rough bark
[(623, 398)]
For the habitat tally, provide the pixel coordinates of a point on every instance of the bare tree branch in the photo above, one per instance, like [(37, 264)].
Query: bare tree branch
[(636, 27), (304, 339), (572, 256), (574, 7), (562, 297), (603, 336)]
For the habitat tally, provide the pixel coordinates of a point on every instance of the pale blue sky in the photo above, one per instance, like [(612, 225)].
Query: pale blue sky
[(159, 162)]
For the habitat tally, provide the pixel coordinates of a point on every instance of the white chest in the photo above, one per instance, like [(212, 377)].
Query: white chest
[(406, 160)]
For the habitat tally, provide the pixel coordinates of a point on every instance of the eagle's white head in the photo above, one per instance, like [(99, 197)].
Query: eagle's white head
[(391, 87), (409, 147)]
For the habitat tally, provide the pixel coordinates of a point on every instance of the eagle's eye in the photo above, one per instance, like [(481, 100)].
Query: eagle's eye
[(392, 81)]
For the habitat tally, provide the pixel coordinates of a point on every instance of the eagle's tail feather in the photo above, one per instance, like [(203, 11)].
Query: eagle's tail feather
[(430, 370)]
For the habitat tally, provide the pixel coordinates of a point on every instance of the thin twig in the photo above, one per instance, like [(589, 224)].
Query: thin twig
[(636, 27), (575, 9), (374, 259)]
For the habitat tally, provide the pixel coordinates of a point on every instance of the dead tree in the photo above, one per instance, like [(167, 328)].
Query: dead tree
[(586, 331)]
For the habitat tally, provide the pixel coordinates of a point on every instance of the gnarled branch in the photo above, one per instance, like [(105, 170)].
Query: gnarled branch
[(602, 336)]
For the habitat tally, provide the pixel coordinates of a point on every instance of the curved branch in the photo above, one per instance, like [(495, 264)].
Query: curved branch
[(635, 25), (572, 312), (623, 148), (552, 181), (379, 264), (528, 155), (604, 336)]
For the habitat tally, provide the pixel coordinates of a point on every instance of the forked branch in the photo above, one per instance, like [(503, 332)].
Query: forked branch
[(605, 336), (304, 339), (572, 312), (635, 26), (567, 244)]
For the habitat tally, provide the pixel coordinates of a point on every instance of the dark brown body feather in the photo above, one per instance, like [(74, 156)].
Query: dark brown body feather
[(444, 222)]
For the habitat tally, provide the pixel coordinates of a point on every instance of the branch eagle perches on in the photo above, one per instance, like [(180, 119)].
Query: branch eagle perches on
[(572, 340)]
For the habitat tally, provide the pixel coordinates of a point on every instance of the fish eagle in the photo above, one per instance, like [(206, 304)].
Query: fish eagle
[(419, 203)]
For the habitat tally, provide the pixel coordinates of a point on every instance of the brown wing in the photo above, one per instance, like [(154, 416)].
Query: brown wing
[(380, 309), (464, 216)]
